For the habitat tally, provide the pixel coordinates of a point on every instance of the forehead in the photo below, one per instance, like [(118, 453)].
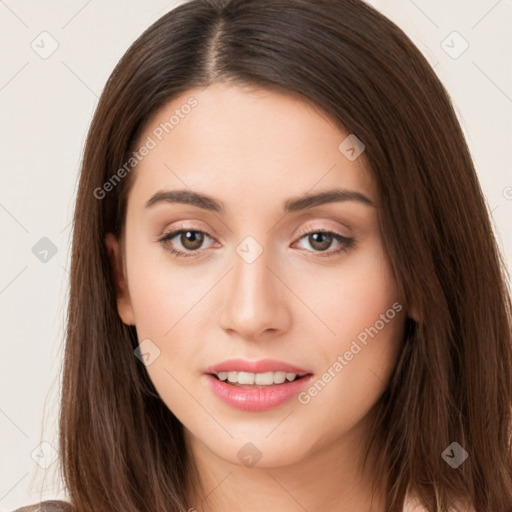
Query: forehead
[(244, 144)]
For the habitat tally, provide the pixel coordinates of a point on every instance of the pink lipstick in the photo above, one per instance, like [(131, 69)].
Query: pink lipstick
[(256, 385)]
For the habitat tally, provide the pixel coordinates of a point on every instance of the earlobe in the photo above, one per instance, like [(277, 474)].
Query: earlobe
[(124, 306), (413, 314)]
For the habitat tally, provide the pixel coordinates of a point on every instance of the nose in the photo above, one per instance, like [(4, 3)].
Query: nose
[(255, 302)]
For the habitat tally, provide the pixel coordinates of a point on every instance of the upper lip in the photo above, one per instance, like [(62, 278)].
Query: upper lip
[(261, 366)]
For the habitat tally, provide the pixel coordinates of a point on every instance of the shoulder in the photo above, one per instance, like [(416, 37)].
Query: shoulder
[(412, 504), (47, 506)]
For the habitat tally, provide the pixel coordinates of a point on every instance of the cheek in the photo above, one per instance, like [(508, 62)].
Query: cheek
[(162, 293), (166, 301), (352, 297), (172, 305), (361, 304)]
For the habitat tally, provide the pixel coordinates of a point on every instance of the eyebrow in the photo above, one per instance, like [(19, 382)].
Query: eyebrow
[(291, 205)]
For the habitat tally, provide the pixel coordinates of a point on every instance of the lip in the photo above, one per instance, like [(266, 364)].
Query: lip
[(256, 399), (261, 366)]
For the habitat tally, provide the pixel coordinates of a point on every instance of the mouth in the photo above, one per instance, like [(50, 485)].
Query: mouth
[(257, 392), (256, 385), (257, 380)]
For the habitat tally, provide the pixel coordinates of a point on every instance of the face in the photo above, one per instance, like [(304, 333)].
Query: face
[(233, 265)]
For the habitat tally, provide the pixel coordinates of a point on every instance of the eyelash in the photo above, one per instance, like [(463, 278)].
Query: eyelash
[(346, 243)]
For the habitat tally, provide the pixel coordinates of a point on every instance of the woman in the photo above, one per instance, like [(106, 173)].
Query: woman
[(285, 290)]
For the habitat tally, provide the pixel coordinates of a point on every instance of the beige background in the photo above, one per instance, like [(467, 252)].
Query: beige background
[(46, 105)]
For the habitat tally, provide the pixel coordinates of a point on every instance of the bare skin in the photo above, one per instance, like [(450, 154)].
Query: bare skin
[(303, 300)]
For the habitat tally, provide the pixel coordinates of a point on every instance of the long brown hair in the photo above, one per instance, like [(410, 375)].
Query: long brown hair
[(121, 448)]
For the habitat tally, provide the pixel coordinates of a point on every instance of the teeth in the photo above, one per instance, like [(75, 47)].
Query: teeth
[(260, 379), (246, 378), (280, 377)]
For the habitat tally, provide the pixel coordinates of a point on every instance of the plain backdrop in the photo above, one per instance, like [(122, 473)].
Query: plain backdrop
[(46, 104)]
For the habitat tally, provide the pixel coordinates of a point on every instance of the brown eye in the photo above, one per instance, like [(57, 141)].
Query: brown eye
[(184, 242), (192, 240), (320, 241)]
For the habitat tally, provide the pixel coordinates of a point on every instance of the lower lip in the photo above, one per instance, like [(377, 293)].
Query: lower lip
[(256, 399)]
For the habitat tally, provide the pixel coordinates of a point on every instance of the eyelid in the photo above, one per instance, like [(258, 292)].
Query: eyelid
[(313, 227), (187, 225)]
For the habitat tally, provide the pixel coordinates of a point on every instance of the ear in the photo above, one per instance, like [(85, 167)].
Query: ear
[(124, 305), (413, 314)]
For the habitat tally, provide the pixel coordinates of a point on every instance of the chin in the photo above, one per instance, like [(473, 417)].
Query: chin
[(257, 448)]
